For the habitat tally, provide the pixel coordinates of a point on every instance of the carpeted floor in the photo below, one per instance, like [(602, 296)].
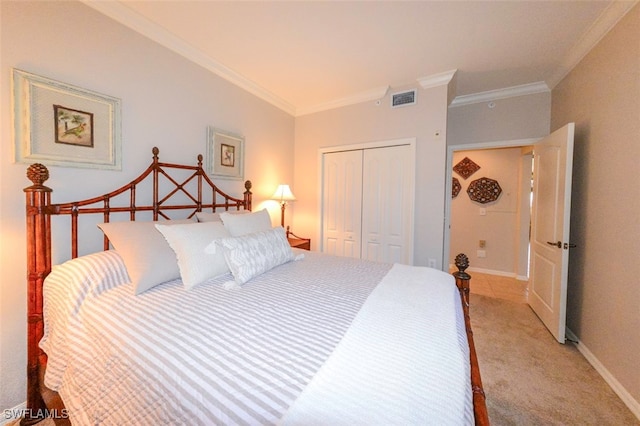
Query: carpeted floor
[(530, 379)]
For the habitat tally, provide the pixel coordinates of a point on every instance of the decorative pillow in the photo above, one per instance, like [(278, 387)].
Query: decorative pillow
[(215, 217), (243, 224), (189, 242), (147, 255), (251, 255)]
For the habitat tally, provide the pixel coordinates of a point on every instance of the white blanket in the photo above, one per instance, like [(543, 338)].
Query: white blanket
[(400, 362)]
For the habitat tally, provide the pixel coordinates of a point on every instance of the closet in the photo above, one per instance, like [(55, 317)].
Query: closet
[(367, 203)]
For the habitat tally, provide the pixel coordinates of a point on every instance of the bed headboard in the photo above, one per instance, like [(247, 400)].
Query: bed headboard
[(195, 193)]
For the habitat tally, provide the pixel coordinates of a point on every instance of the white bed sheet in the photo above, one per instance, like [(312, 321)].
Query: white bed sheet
[(208, 355)]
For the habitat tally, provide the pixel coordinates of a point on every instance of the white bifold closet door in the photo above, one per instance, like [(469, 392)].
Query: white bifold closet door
[(368, 204), (342, 203)]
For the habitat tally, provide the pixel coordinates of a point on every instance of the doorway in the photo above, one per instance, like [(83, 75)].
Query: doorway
[(494, 233)]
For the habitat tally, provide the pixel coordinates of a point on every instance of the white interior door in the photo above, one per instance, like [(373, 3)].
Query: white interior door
[(387, 204), (342, 203), (553, 162)]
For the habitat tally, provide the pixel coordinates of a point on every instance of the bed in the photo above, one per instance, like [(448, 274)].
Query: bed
[(250, 331)]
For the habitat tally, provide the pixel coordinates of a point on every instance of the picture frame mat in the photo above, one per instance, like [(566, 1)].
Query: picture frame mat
[(229, 167), (33, 101)]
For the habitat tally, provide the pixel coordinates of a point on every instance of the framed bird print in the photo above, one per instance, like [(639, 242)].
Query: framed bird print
[(60, 124), (73, 127), (225, 154)]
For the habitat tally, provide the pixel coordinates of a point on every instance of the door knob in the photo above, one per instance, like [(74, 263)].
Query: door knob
[(558, 244)]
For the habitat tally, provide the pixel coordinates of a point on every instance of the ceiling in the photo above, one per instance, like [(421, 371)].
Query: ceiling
[(306, 56)]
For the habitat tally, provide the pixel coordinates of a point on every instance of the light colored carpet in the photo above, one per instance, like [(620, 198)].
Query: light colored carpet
[(531, 379)]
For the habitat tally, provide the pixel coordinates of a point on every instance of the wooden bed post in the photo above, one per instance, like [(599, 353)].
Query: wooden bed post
[(38, 267), (154, 165), (247, 195), (479, 400)]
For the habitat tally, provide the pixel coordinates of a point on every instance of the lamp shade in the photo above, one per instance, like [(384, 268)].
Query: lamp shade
[(283, 194)]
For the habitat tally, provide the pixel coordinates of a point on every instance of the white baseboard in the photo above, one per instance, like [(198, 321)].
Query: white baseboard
[(12, 414), (625, 396)]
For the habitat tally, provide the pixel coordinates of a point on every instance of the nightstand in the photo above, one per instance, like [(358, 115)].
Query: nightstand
[(297, 242)]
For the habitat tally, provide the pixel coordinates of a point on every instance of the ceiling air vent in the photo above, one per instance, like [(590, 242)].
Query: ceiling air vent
[(401, 99)]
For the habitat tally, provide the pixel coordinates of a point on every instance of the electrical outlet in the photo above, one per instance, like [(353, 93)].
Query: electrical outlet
[(482, 244), (483, 211), (432, 263), (481, 253)]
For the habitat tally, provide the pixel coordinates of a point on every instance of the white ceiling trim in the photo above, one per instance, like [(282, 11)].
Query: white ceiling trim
[(507, 92), (369, 95), (427, 82), (436, 80), (605, 22), (138, 23)]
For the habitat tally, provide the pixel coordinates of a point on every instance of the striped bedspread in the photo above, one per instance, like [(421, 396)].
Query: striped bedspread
[(205, 356)]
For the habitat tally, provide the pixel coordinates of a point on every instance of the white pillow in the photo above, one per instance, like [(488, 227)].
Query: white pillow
[(242, 224), (215, 217), (251, 255), (189, 242), (146, 254)]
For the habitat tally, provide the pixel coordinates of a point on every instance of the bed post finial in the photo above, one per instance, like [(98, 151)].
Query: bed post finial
[(155, 152), (462, 278), (37, 174), (462, 263)]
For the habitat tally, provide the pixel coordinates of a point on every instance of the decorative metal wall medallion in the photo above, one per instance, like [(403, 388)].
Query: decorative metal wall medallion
[(466, 167), (455, 188), (484, 190)]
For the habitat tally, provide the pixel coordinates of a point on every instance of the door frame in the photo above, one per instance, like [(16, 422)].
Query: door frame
[(513, 143), (367, 145)]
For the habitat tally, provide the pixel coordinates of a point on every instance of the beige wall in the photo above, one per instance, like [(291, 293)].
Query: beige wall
[(602, 96), (167, 102), (368, 122), (520, 117), (499, 227)]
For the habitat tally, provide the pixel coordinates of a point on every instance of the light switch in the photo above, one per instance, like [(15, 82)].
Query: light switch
[(482, 244), (483, 211)]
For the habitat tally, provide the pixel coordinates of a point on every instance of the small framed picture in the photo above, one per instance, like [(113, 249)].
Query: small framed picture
[(73, 127), (60, 124), (225, 154)]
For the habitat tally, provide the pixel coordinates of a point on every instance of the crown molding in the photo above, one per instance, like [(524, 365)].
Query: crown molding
[(369, 95), (122, 14), (605, 22), (507, 92), (436, 80), (427, 82)]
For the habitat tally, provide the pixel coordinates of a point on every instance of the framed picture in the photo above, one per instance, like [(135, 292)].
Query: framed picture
[(225, 154), (63, 125)]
